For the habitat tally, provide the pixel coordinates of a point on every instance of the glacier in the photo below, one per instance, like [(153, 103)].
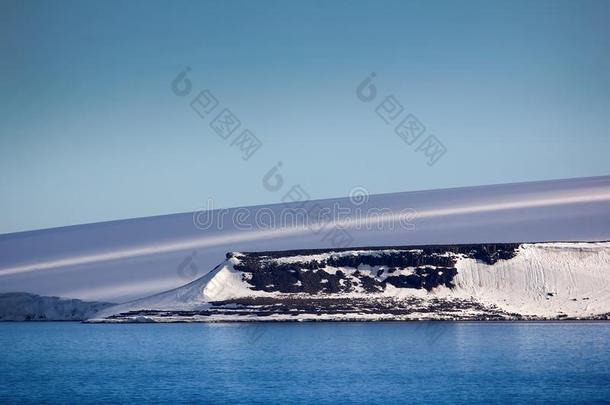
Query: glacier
[(21, 306)]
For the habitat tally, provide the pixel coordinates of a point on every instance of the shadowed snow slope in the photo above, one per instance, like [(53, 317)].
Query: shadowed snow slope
[(21, 306), (479, 281)]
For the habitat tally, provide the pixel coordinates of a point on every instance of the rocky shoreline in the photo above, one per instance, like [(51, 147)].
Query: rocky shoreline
[(343, 309)]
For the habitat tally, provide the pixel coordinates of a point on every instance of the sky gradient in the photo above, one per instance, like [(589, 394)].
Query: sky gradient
[(91, 131)]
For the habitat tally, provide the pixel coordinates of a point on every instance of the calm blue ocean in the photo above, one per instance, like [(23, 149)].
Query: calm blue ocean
[(306, 363)]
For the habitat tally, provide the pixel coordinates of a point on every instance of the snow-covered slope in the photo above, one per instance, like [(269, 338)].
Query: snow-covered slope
[(545, 279), (482, 281), (20, 306)]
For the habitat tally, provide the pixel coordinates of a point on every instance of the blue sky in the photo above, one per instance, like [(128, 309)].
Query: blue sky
[(90, 129)]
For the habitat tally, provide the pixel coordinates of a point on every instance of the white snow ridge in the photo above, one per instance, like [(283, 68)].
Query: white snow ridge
[(518, 281)]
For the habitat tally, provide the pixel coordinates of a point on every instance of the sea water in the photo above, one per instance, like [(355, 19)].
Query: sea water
[(440, 362)]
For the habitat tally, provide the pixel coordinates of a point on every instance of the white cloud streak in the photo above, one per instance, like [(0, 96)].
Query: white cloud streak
[(532, 201)]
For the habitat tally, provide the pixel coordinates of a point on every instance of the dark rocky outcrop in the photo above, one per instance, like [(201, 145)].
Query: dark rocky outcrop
[(293, 307), (486, 252), (433, 267)]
